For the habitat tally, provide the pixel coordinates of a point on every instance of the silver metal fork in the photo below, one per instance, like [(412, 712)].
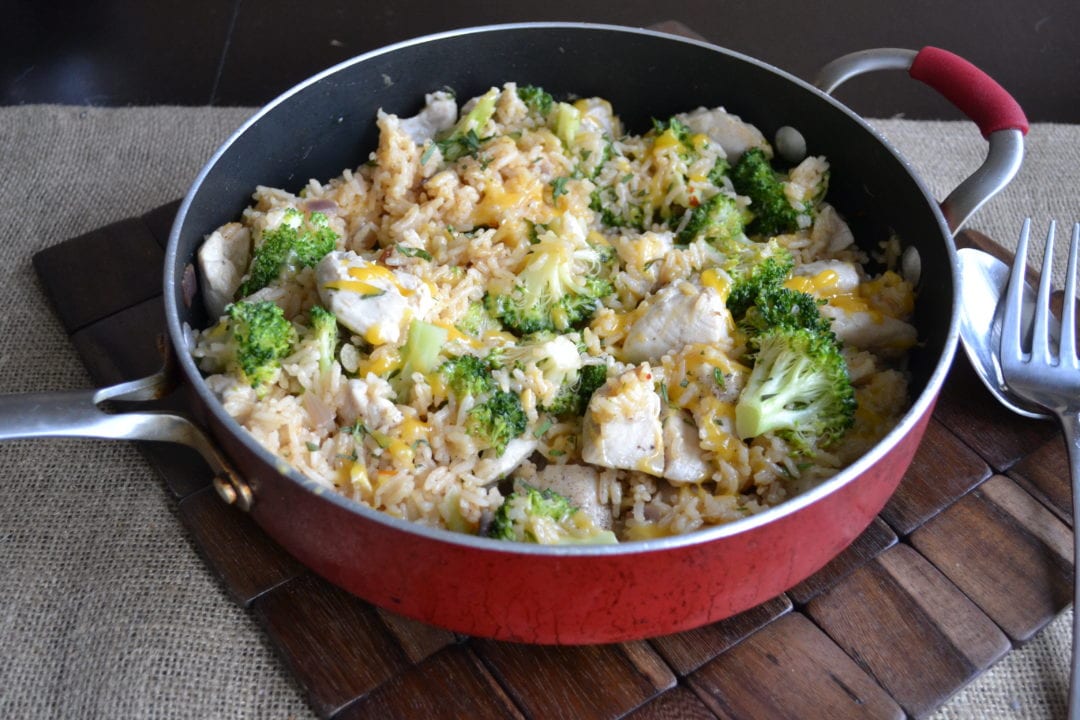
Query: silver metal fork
[(1050, 378)]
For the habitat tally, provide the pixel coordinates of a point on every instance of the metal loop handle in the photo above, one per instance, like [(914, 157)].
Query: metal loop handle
[(77, 413), (993, 109)]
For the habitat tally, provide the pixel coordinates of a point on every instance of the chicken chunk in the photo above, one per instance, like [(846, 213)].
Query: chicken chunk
[(579, 484), (598, 115), (843, 277), (684, 460), (489, 470), (831, 229), (369, 401), (373, 301), (732, 134), (642, 250), (871, 330), (621, 428), (223, 259), (675, 317), (439, 113)]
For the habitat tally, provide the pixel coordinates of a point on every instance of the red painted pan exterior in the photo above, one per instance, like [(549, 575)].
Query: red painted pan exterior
[(576, 595), (570, 599)]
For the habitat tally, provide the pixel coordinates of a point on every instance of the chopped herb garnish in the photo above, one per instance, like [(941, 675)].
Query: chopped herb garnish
[(413, 252), (313, 447), (539, 432), (428, 152), (558, 187), (718, 376)]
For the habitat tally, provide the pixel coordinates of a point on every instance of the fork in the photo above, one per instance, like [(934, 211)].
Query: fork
[(1049, 378)]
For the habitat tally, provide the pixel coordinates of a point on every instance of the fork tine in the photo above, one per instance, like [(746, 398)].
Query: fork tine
[(1040, 336), (1067, 351), (1011, 347)]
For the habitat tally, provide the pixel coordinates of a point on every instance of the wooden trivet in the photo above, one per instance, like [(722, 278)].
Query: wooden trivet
[(970, 558)]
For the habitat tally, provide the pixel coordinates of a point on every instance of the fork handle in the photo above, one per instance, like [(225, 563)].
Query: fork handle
[(1070, 423)]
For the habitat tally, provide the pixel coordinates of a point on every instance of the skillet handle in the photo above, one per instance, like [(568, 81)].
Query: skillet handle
[(77, 413), (998, 116)]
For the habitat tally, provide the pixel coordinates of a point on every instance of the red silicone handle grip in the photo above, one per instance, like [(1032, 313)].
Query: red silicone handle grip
[(967, 87)]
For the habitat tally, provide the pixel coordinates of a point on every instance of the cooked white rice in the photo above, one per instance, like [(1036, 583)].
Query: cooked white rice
[(466, 228)]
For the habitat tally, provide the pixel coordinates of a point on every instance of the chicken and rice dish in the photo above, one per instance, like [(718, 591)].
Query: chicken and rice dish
[(518, 320)]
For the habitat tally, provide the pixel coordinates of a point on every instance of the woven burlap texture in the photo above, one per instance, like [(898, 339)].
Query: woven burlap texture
[(106, 609)]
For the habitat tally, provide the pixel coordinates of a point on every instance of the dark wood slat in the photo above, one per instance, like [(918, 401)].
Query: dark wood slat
[(248, 562), (417, 639), (102, 272), (902, 620), (877, 538), (1007, 552), (649, 664), (452, 684), (687, 651), (996, 434), (183, 469), (1045, 474), (790, 669), (580, 681), (333, 642), (943, 470), (159, 221), (126, 345), (679, 703)]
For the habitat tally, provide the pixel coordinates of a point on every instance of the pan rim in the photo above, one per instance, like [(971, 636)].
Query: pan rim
[(920, 406)]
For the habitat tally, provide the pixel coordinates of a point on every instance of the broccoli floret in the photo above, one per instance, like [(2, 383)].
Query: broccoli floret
[(419, 354), (754, 177), (754, 269), (476, 321), (464, 139), (718, 219), (590, 379), (558, 289), (559, 360), (497, 420), (574, 396), (292, 245), (467, 375), (545, 517), (605, 202), (799, 388), (538, 101), (778, 306), (719, 171), (758, 299), (261, 337), (324, 326), (499, 417)]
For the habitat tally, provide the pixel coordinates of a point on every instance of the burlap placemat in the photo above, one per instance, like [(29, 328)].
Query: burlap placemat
[(105, 608)]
